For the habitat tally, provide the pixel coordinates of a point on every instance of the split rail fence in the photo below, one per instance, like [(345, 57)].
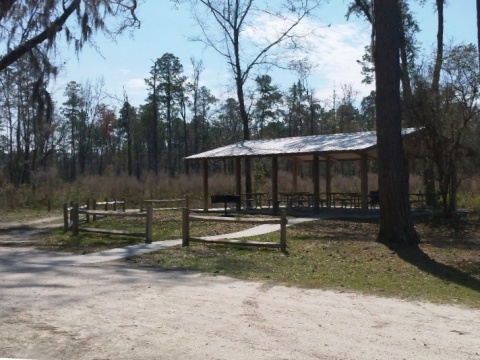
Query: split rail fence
[(282, 221), (148, 215), (165, 202), (67, 210)]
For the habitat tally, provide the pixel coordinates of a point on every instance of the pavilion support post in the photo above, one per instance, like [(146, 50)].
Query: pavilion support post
[(316, 183), (364, 182), (238, 180), (275, 203), (295, 175), (328, 180), (205, 184)]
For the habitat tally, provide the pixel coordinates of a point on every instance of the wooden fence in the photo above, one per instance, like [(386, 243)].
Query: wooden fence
[(148, 215), (113, 203), (67, 210), (187, 218), (67, 215), (164, 202)]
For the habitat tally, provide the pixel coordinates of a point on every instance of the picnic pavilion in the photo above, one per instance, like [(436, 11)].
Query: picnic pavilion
[(317, 149)]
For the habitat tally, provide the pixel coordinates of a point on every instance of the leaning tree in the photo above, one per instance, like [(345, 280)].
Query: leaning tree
[(32, 27)]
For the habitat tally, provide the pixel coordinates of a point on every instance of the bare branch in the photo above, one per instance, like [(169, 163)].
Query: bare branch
[(48, 33)]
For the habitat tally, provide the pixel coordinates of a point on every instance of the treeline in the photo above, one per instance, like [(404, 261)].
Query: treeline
[(87, 135)]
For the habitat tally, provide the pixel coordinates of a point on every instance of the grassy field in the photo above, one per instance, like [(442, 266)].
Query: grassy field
[(334, 254)]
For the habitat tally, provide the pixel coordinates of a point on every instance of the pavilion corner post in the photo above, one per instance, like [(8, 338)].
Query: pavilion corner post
[(185, 226), (328, 180), (275, 203), (149, 225), (295, 175), (205, 184), (238, 181), (364, 182), (316, 184)]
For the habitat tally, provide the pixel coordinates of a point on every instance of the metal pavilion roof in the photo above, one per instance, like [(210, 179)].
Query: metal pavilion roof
[(345, 146)]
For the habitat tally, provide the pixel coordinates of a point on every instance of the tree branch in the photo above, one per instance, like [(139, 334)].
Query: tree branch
[(48, 33), (5, 7)]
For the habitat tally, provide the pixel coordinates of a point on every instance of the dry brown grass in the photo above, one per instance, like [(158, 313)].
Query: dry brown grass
[(48, 186)]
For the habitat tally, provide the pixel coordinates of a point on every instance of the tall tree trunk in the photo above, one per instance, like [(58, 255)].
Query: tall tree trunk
[(154, 134), (129, 143), (246, 127), (439, 57), (396, 226), (478, 30)]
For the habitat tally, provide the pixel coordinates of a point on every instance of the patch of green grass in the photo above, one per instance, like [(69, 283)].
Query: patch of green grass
[(166, 226), (344, 256)]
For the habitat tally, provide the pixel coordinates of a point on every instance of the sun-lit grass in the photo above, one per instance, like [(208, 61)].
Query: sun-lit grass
[(166, 226), (344, 256)]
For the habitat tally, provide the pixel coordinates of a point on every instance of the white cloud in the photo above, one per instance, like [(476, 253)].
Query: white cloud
[(124, 71), (332, 50), (135, 84)]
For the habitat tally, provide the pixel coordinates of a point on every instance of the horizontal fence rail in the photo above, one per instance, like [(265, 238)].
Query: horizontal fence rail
[(184, 202), (282, 221), (148, 215)]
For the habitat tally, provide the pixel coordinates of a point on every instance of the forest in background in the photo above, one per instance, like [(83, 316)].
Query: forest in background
[(87, 136)]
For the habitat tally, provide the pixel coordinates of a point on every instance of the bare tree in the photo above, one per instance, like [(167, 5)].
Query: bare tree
[(224, 25)]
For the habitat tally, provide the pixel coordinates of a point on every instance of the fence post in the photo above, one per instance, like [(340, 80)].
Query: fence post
[(149, 230), (185, 227), (114, 204), (88, 208), (74, 216), (283, 231), (94, 205), (141, 205), (106, 204), (65, 217), (187, 202), (124, 208), (70, 212)]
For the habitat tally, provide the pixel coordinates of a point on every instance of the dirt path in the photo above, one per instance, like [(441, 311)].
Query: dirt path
[(26, 233), (65, 310)]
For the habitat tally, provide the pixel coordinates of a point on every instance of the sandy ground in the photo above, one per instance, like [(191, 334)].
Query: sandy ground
[(55, 309)]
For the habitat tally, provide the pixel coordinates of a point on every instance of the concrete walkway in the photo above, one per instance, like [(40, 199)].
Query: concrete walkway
[(42, 258)]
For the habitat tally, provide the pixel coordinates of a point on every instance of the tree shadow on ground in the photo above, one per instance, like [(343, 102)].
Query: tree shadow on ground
[(418, 258)]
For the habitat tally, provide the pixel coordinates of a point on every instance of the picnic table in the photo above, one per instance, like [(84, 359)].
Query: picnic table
[(345, 199), (255, 200)]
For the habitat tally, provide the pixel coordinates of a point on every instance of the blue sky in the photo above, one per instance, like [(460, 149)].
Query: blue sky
[(127, 62)]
